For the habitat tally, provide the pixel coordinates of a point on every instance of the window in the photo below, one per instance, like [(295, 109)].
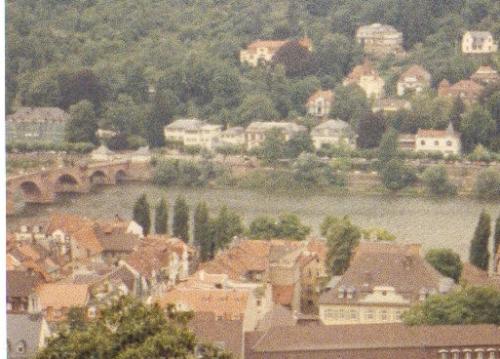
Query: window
[(422, 143), (436, 143), (354, 314), (369, 314), (448, 143), (397, 315), (383, 315), (21, 347)]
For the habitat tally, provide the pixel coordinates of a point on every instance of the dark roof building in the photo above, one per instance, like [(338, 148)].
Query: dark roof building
[(26, 334), (375, 341)]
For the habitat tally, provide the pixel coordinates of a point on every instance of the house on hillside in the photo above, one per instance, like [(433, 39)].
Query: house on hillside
[(445, 141), (469, 91), (262, 51), (390, 105), (485, 75), (333, 132), (380, 39), (320, 103), (478, 42), (43, 124), (366, 77), (382, 281), (255, 133), (415, 79), (193, 133), (233, 136)]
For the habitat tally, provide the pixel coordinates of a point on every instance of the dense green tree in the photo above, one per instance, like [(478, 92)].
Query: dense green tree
[(487, 185), (478, 253), (256, 107), (227, 225), (469, 305), (388, 148), (263, 227), (81, 85), (446, 262), (456, 112), (123, 116), (297, 60), (180, 228), (342, 237), (141, 214), (371, 128), (310, 172), (300, 143), (437, 182), (289, 227), (161, 217), (41, 90), (477, 127), (82, 124), (350, 105), (496, 238), (397, 175), (202, 233), (273, 146), (127, 328)]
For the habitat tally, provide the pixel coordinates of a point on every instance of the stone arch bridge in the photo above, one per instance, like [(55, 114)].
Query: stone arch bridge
[(43, 186)]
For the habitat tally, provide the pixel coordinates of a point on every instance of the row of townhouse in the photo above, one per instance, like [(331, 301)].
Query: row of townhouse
[(210, 136)]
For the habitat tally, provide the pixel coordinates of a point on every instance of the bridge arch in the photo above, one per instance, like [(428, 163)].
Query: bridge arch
[(31, 190), (120, 176), (99, 177), (66, 183)]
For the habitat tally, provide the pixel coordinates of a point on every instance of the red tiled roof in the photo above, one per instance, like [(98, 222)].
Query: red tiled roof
[(329, 95), (283, 294)]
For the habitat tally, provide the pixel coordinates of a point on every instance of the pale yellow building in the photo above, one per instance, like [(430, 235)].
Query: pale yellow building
[(193, 132), (366, 77), (380, 39), (381, 283), (320, 103), (478, 42), (262, 51), (255, 133), (333, 132)]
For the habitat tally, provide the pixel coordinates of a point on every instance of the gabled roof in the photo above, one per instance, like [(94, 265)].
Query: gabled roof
[(279, 316), (417, 72), (331, 125), (328, 95), (376, 29), (185, 124), (378, 264), (359, 71), (21, 283), (27, 328), (102, 150), (472, 275), (63, 295)]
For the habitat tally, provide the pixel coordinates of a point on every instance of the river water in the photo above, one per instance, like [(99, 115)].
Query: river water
[(434, 223)]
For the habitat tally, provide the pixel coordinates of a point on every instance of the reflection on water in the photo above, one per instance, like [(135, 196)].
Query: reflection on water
[(435, 223)]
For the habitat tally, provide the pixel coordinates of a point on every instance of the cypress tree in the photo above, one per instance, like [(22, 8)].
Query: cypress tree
[(161, 217), (496, 243), (478, 254), (227, 225), (181, 219), (202, 234), (141, 213)]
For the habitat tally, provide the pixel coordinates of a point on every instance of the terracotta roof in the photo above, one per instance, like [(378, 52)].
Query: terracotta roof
[(79, 228), (485, 73), (329, 95), (416, 71), (283, 294), (373, 336), (467, 85), (359, 71), (435, 133), (472, 275), (226, 333), (22, 283), (226, 304), (115, 238), (279, 316), (63, 295), (377, 264)]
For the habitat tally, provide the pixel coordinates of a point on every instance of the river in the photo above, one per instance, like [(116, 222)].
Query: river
[(434, 223)]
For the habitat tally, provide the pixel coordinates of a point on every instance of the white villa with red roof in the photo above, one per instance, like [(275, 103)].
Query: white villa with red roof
[(445, 141)]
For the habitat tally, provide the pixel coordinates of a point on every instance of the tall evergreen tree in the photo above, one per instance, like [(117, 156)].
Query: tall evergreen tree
[(181, 219), (202, 234), (141, 213), (227, 225), (161, 217), (342, 237), (496, 243), (479, 255)]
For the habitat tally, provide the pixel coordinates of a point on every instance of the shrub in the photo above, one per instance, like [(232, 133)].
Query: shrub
[(446, 262), (166, 172), (192, 150), (437, 182), (396, 175), (487, 184)]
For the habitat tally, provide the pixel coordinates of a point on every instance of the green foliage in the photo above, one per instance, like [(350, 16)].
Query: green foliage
[(161, 217), (396, 175), (77, 147), (487, 185), (371, 128), (310, 172), (388, 148), (469, 305), (446, 262), (82, 124), (180, 227), (377, 234), (350, 104), (478, 253), (477, 127), (256, 107), (202, 232), (288, 226), (273, 147), (141, 213), (184, 173), (436, 181), (342, 238), (127, 328), (496, 238), (226, 226), (297, 60), (298, 144)]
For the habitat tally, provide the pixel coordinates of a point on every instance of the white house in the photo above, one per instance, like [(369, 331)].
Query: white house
[(478, 42), (320, 103), (445, 141), (366, 77), (193, 132), (255, 134), (416, 78), (262, 51), (333, 132)]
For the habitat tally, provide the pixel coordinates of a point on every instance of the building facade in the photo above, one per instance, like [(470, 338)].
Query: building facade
[(36, 124), (320, 103), (415, 79), (366, 77), (262, 51), (255, 133), (333, 132), (478, 42), (193, 133), (445, 141), (380, 39)]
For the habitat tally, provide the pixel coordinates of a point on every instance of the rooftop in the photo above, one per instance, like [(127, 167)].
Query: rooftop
[(63, 295)]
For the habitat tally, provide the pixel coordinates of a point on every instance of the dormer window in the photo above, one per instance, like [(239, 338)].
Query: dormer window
[(21, 347)]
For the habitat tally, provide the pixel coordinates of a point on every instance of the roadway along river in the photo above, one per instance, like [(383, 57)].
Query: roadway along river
[(435, 223)]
